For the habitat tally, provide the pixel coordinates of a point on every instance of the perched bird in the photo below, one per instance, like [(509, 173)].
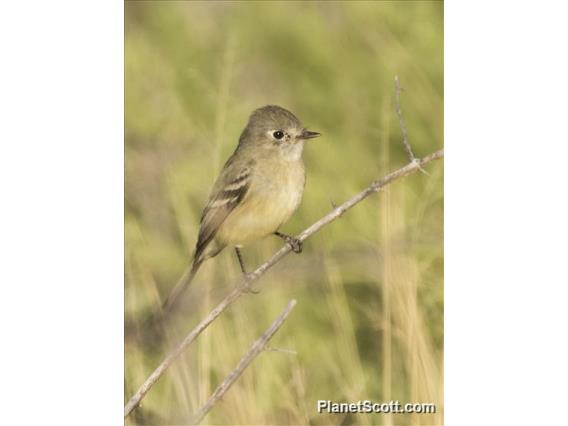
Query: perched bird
[(257, 191)]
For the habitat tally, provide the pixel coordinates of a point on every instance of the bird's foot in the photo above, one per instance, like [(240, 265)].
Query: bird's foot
[(295, 244), (247, 284)]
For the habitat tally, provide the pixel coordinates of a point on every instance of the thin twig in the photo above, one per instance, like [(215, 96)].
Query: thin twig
[(403, 130), (402, 123), (254, 350), (334, 214)]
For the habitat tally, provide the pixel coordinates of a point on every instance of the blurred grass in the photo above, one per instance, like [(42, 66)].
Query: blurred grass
[(369, 319)]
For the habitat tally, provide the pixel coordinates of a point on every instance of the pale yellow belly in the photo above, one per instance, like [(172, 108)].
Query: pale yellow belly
[(262, 212)]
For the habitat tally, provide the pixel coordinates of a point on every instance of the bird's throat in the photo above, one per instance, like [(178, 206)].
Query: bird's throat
[(292, 151)]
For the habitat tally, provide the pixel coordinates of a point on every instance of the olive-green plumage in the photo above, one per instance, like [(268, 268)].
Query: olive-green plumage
[(257, 191)]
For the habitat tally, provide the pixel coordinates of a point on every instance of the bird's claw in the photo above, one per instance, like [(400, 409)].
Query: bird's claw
[(247, 285), (295, 244)]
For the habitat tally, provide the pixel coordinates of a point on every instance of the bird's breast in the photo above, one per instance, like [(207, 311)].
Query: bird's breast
[(275, 193)]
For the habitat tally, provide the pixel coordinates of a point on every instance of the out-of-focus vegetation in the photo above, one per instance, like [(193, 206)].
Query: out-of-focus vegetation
[(369, 319)]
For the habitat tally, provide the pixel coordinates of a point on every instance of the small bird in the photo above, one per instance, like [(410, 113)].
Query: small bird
[(257, 191)]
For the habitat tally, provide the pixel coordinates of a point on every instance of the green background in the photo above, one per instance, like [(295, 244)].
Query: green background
[(369, 318)]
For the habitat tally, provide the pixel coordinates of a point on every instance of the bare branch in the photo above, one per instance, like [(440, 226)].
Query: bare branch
[(254, 350), (403, 130), (402, 124), (245, 283)]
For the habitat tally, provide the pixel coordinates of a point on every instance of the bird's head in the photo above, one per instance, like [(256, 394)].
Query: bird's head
[(273, 128)]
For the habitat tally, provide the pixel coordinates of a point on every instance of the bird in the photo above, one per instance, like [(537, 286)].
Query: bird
[(257, 191)]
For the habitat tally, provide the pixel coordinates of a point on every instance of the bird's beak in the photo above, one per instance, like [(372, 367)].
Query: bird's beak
[(307, 134)]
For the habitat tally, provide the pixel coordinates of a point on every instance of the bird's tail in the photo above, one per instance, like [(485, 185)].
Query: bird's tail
[(150, 326), (181, 286)]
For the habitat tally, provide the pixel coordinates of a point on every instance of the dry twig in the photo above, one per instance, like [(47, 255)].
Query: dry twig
[(403, 130), (257, 347), (402, 123)]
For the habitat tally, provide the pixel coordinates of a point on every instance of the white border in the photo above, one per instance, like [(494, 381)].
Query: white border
[(61, 177), (506, 212), (61, 223)]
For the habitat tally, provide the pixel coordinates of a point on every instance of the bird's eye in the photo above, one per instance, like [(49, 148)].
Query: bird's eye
[(278, 134)]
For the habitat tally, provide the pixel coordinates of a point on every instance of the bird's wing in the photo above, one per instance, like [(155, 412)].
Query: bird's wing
[(228, 192)]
